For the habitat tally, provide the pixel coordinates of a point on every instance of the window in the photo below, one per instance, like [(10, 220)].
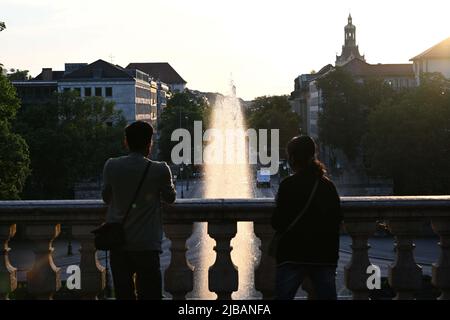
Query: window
[(142, 93), (98, 92), (87, 92), (77, 91), (108, 91), (66, 90), (153, 113)]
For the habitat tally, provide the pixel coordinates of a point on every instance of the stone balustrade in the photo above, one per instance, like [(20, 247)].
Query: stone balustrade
[(404, 216)]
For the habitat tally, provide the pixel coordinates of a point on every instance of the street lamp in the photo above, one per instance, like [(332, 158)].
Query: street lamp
[(187, 179), (181, 176), (69, 245), (187, 172)]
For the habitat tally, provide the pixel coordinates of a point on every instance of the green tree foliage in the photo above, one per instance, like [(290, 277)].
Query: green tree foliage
[(18, 75), (14, 156), (409, 139), (181, 112), (70, 138), (346, 106), (2, 27), (274, 112)]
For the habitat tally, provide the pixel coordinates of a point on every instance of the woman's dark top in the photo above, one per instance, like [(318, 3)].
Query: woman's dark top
[(315, 237)]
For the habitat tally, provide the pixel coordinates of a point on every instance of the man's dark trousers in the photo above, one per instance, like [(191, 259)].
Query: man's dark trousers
[(146, 266)]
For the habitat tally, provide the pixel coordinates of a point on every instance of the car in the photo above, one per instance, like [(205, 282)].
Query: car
[(263, 178)]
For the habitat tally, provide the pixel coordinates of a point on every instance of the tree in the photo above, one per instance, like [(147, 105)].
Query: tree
[(409, 139), (346, 106), (70, 138), (2, 27), (14, 155), (181, 112), (274, 112), (17, 74)]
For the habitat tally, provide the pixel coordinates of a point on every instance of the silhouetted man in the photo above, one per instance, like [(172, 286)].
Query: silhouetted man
[(136, 266)]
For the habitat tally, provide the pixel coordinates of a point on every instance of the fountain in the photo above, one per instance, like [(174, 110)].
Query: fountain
[(230, 179)]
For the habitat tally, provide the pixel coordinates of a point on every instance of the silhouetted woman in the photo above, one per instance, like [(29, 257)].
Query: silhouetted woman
[(310, 246)]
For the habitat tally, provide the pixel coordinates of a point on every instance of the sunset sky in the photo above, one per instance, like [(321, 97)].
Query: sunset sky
[(263, 44)]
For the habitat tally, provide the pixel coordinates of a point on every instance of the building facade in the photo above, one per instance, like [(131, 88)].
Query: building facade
[(39, 89), (164, 95), (306, 98), (435, 59), (162, 71), (399, 76), (133, 91)]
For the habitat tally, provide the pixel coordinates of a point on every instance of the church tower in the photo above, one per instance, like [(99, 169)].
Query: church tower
[(350, 50)]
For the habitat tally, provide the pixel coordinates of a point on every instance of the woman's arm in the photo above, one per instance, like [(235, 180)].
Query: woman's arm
[(278, 220)]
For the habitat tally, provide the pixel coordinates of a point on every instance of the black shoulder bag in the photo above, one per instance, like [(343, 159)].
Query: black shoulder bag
[(111, 235), (273, 246)]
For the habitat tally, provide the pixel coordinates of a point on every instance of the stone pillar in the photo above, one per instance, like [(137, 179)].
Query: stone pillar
[(179, 276), (441, 269), (223, 275), (265, 271), (8, 274), (405, 276), (44, 278), (355, 272), (93, 274)]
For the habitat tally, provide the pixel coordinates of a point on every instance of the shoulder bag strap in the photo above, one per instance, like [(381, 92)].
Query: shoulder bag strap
[(136, 193)]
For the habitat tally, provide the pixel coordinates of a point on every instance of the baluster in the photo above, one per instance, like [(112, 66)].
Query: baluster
[(308, 287), (8, 274), (355, 272), (93, 274), (441, 270), (265, 271), (405, 276), (179, 276), (44, 279), (223, 275)]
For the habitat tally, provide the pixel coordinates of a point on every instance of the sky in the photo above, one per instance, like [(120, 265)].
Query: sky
[(262, 45)]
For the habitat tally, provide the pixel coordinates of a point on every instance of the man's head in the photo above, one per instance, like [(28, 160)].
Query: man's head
[(138, 137)]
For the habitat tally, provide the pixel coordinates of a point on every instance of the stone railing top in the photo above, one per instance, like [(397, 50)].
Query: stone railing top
[(260, 209)]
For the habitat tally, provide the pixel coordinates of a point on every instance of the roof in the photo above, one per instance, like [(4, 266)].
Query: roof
[(99, 69), (358, 67), (441, 50), (324, 69), (159, 70), (56, 75), (349, 52)]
